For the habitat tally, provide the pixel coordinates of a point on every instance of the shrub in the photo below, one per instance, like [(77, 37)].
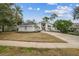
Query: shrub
[(63, 25)]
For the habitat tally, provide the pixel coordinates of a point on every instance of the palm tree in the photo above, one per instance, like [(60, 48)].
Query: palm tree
[(18, 15), (9, 15)]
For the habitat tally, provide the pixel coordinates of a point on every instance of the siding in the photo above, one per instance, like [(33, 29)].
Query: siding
[(26, 28)]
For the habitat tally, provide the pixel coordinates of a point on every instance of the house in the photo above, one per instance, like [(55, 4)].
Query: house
[(31, 27), (76, 27), (45, 26), (28, 27), (34, 27)]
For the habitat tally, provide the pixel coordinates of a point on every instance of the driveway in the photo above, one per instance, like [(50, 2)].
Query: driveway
[(66, 37)]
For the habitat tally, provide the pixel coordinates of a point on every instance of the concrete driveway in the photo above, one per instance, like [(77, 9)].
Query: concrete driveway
[(66, 37)]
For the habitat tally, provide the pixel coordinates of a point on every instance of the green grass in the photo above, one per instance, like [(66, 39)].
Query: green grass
[(2, 49), (21, 51)]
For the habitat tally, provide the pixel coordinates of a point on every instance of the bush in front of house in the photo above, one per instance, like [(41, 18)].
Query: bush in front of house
[(63, 25)]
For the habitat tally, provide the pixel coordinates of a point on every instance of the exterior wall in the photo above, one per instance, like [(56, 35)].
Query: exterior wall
[(26, 28), (31, 28), (21, 29)]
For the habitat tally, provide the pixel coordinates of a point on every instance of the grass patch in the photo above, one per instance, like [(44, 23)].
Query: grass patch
[(20, 51), (74, 33), (2, 49), (30, 37)]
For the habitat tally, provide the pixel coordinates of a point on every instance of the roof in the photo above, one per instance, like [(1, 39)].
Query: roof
[(29, 24)]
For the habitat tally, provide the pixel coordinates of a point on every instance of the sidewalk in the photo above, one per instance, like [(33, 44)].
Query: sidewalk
[(36, 44)]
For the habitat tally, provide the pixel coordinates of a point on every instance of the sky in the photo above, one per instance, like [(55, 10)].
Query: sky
[(38, 10)]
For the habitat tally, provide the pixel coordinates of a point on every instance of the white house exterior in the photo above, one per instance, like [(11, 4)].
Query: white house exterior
[(28, 27), (31, 27)]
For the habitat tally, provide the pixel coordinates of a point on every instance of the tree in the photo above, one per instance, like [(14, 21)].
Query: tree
[(34, 20), (76, 13), (46, 19), (18, 15), (10, 14), (53, 16), (5, 15), (63, 25), (31, 21)]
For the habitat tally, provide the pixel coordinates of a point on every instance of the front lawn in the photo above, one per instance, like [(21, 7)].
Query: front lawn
[(17, 51), (30, 37)]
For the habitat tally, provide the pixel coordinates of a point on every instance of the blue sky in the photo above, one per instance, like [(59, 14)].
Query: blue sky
[(38, 10)]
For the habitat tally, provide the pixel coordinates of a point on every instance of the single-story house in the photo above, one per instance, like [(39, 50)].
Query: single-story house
[(33, 27), (28, 27)]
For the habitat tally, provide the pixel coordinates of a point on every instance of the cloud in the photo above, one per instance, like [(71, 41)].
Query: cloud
[(35, 9), (30, 8), (61, 11), (38, 9), (48, 11), (65, 8), (52, 3)]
